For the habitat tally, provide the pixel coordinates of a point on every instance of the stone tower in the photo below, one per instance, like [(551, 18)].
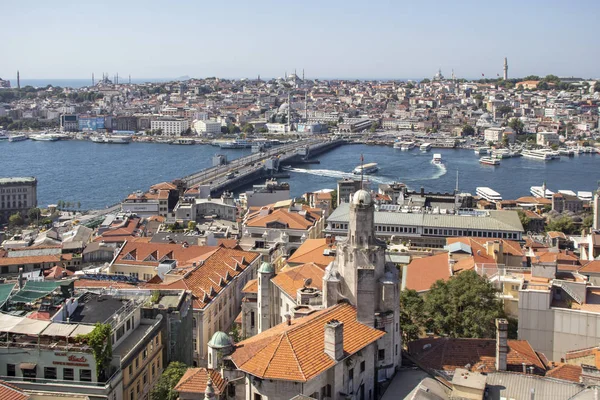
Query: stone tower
[(265, 273), (505, 68), (359, 275)]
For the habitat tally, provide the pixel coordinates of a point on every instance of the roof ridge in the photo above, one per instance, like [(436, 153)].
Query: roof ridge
[(272, 355), (295, 356), (193, 374)]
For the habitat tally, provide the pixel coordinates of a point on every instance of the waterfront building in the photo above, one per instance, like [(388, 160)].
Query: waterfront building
[(274, 127), (426, 229), (565, 202), (17, 195), (206, 127), (159, 200), (170, 126), (69, 123), (312, 128), (355, 125), (547, 139)]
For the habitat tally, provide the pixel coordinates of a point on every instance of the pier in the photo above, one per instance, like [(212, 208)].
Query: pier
[(228, 175)]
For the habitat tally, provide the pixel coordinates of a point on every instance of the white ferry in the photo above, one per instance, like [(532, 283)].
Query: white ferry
[(405, 146), (183, 141), (111, 139), (568, 192), (437, 159), (538, 191), (44, 137), (488, 194), (369, 168), (482, 150), (236, 144), (17, 138), (425, 147), (3, 136), (585, 196), (397, 145), (536, 155), (489, 161)]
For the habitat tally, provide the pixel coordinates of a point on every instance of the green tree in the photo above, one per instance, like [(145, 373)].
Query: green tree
[(15, 220), (425, 80), (562, 224), (468, 130), (597, 86), (412, 315), (99, 339), (191, 225), (374, 126), (516, 125), (163, 390), (542, 85), (464, 306), (588, 222), (503, 110), (334, 199), (34, 214)]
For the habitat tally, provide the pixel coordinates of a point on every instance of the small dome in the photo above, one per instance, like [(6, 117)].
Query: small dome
[(361, 197), (220, 340), (266, 268)]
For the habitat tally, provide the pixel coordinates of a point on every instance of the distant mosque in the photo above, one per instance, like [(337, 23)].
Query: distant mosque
[(438, 76)]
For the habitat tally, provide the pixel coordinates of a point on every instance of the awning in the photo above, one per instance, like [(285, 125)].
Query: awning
[(27, 366)]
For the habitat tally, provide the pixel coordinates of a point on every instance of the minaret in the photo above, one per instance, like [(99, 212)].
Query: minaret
[(130, 79), (265, 273), (289, 117), (544, 190), (18, 80), (93, 79), (505, 68), (302, 74)]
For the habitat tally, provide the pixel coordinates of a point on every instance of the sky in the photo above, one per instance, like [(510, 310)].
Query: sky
[(399, 39)]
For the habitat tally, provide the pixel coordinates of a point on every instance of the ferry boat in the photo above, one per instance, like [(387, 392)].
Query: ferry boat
[(489, 161), (502, 153), (425, 147), (538, 191), (405, 146), (236, 144), (183, 141), (111, 139), (566, 152), (369, 168), (488, 194), (585, 196), (17, 138), (44, 137), (397, 145), (536, 155), (3, 136), (568, 192), (437, 159)]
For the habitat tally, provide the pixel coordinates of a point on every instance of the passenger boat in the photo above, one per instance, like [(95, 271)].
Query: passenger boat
[(489, 161), (488, 194), (44, 137), (538, 191), (536, 155), (437, 159), (236, 144), (17, 138), (3, 136), (183, 141), (369, 168), (482, 150), (111, 139)]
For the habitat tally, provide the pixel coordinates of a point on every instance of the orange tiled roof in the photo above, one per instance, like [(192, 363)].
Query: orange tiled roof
[(295, 352), (206, 281), (10, 392), (294, 278), (421, 273), (251, 286), (230, 243), (556, 234), (144, 253), (57, 272), (591, 267), (510, 247), (566, 372), (5, 261), (450, 353), (164, 186), (292, 219), (194, 381), (312, 251)]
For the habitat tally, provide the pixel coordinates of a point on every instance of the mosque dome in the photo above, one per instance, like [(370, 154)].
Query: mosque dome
[(220, 340), (361, 197), (266, 268)]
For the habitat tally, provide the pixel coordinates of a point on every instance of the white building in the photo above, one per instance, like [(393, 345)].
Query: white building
[(278, 128), (206, 127), (493, 135), (547, 138), (17, 195), (173, 127)]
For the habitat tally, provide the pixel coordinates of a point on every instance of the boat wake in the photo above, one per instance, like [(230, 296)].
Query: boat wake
[(441, 171), (338, 174)]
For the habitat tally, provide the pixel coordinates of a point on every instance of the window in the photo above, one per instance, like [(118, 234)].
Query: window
[(257, 396), (10, 370), (137, 363), (130, 369), (68, 374), (85, 375), (194, 322), (137, 387), (120, 332), (252, 319), (49, 373), (396, 349), (128, 324), (145, 378), (195, 343), (381, 354), (30, 373), (131, 396), (144, 354), (362, 366)]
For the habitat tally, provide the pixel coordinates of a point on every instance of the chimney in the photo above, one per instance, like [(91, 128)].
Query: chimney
[(288, 319), (501, 343), (334, 339), (21, 278), (532, 394), (451, 262)]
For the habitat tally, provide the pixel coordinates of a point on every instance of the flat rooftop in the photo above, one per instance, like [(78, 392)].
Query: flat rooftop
[(96, 309), (24, 179)]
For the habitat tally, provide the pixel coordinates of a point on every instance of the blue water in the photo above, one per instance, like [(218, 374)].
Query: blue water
[(98, 175)]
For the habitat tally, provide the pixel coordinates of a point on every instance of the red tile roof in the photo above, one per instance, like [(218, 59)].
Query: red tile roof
[(295, 352), (592, 267), (566, 372), (421, 273), (139, 252), (194, 381), (295, 278), (450, 353), (10, 392), (312, 251)]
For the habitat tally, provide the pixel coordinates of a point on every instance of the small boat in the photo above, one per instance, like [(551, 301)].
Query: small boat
[(369, 168), (183, 141), (3, 136), (236, 144), (489, 161), (437, 159), (111, 139), (17, 138)]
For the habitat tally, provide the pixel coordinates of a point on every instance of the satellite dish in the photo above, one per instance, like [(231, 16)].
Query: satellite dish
[(307, 282)]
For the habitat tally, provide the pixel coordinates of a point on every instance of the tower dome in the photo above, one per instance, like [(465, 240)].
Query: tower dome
[(220, 340), (362, 197), (266, 268)]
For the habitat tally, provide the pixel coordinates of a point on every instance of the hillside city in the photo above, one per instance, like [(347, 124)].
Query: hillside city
[(222, 285)]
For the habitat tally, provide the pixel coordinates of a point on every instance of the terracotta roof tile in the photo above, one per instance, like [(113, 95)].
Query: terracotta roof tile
[(295, 352), (421, 273), (10, 392), (139, 252), (251, 286), (566, 372), (591, 267), (312, 251), (194, 381), (294, 278), (293, 220)]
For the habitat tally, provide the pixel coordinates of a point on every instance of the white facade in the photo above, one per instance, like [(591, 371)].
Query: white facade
[(171, 127), (547, 138), (206, 127), (493, 135)]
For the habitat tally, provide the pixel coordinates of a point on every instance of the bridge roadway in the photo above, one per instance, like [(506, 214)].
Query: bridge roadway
[(216, 176)]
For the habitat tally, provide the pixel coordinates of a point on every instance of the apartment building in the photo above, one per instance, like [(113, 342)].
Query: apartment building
[(205, 127), (18, 194), (171, 127)]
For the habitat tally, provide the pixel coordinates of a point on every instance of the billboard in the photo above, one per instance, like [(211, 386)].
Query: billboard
[(91, 123)]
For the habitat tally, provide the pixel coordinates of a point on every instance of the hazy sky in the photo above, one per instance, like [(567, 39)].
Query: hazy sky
[(328, 38)]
